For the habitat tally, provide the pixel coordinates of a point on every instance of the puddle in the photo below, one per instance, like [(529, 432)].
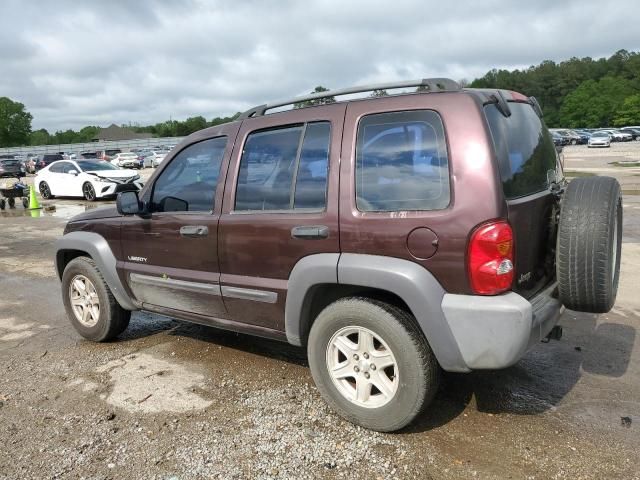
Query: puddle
[(65, 211)]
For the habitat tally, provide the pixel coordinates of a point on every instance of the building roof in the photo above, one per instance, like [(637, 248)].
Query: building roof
[(114, 132)]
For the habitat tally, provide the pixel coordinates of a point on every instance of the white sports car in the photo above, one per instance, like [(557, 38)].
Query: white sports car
[(90, 179)]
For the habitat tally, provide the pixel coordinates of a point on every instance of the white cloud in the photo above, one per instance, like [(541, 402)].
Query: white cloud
[(79, 63)]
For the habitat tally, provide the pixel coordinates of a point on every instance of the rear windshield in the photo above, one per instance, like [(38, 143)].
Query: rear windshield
[(52, 157), (524, 148), (11, 162)]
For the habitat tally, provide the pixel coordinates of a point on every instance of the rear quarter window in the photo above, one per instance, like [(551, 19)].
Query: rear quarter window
[(524, 148), (401, 162)]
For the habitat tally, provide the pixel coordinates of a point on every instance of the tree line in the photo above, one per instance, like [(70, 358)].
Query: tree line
[(579, 92)]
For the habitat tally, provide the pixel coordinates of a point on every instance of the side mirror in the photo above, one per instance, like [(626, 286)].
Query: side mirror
[(73, 172), (128, 203)]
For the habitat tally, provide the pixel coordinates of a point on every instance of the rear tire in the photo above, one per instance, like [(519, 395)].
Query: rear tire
[(589, 244), (12, 202), (89, 192), (2, 203), (45, 191), (346, 341), (106, 319)]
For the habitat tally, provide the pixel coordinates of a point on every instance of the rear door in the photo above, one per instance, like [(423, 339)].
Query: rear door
[(280, 205), (527, 161)]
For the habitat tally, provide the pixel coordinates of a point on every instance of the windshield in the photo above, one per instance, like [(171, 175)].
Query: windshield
[(600, 134), (93, 166)]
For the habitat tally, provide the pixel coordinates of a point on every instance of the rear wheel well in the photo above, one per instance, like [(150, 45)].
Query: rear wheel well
[(320, 296), (63, 257)]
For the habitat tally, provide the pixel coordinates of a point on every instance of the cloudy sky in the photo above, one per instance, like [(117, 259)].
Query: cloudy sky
[(76, 63)]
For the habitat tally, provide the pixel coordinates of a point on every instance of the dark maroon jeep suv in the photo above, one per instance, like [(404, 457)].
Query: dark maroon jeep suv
[(393, 237)]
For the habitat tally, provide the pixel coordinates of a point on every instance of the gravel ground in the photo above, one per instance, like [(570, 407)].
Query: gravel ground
[(171, 400)]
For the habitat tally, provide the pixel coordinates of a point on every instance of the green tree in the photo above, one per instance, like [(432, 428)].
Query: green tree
[(39, 137), (318, 101), (87, 134), (594, 104), (629, 112), (379, 93), (15, 123)]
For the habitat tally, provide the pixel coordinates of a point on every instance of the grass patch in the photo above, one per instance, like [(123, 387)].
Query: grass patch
[(574, 174), (625, 164)]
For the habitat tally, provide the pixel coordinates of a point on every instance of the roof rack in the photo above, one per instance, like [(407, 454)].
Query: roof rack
[(431, 85)]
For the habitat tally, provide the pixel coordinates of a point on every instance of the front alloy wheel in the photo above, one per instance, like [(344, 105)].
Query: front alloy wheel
[(84, 300)]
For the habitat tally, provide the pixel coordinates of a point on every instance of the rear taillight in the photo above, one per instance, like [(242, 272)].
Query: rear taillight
[(490, 258)]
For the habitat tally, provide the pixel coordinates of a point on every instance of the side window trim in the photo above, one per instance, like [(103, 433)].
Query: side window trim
[(296, 167)]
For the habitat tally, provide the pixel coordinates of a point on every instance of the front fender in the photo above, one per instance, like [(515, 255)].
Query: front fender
[(98, 249)]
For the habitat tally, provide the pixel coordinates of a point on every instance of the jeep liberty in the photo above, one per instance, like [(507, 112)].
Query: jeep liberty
[(392, 237)]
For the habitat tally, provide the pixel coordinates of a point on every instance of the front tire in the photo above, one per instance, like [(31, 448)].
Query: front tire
[(90, 305), (88, 192), (372, 364)]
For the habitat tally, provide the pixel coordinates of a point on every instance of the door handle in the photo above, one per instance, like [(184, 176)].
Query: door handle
[(310, 232), (194, 231)]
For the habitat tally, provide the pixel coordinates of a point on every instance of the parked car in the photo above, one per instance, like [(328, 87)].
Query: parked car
[(599, 139), (571, 137), (634, 132), (558, 140), (89, 155), (126, 159), (154, 158), (10, 167), (41, 161), (108, 154), (581, 136), (354, 229), (617, 135), (91, 179)]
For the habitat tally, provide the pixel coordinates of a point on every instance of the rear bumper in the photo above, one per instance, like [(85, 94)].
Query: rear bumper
[(495, 332)]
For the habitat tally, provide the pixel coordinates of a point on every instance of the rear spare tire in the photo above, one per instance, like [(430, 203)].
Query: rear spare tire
[(589, 242)]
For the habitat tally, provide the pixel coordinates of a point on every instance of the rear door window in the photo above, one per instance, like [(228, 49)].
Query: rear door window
[(527, 157), (284, 169), (401, 162)]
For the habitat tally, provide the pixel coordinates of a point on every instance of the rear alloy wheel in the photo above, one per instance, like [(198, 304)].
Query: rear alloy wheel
[(89, 192), (589, 244), (45, 191), (371, 363)]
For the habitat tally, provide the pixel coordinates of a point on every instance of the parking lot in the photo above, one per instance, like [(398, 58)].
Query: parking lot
[(175, 400)]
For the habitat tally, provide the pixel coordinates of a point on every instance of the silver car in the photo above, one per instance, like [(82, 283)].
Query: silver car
[(599, 139)]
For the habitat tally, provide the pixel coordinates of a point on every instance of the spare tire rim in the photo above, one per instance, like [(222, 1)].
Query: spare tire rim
[(362, 367), (84, 301)]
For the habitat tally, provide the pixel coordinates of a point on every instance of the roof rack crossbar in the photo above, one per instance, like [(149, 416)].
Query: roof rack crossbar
[(431, 84)]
